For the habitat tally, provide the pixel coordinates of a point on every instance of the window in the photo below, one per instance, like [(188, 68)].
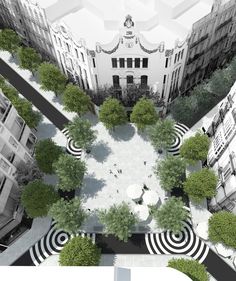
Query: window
[(94, 64), (137, 62), (166, 65), (164, 79), (55, 38), (76, 52), (82, 56), (129, 62), (68, 47), (182, 53), (179, 55), (144, 80), (4, 165), (175, 58), (145, 62), (122, 62), (60, 42), (130, 79), (96, 79), (114, 62), (116, 81)]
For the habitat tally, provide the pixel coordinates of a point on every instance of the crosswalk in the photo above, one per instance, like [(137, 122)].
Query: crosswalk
[(71, 147), (180, 130), (52, 243)]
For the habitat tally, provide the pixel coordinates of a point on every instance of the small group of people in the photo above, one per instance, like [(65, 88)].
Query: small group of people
[(119, 171)]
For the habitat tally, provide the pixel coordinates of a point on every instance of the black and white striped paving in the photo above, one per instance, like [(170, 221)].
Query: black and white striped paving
[(71, 147), (180, 130), (52, 243)]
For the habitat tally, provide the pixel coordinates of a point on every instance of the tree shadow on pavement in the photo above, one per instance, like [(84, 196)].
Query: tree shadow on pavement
[(100, 151), (123, 133), (91, 186)]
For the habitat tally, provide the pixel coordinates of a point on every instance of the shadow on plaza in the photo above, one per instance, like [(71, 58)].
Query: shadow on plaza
[(100, 151), (123, 133), (91, 186), (92, 118), (47, 130)]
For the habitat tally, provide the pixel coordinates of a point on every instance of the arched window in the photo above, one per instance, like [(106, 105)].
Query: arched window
[(144, 80), (130, 79), (116, 81)]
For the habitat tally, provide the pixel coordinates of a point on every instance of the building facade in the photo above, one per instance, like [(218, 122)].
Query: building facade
[(168, 46), (16, 146), (222, 153)]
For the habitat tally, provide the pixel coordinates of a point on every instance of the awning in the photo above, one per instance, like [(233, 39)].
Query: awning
[(135, 191), (150, 197)]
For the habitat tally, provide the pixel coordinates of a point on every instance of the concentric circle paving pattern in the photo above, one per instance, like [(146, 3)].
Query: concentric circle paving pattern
[(71, 146), (180, 130)]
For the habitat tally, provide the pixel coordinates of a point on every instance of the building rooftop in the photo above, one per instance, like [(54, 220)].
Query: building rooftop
[(99, 21)]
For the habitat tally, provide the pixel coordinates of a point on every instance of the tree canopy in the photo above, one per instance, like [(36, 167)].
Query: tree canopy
[(9, 41), (221, 82), (118, 220), (201, 184), (70, 172), (47, 152), (80, 251), (68, 215), (82, 133), (192, 268), (37, 198), (222, 228), (29, 59), (161, 134), (144, 113), (195, 148), (171, 172), (51, 78), (112, 113), (170, 215), (75, 100)]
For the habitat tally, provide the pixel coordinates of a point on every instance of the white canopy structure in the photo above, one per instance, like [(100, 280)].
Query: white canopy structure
[(135, 191), (150, 197), (224, 251), (202, 230), (142, 212)]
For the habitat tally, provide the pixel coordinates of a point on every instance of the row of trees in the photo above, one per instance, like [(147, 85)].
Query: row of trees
[(205, 96), (171, 170)]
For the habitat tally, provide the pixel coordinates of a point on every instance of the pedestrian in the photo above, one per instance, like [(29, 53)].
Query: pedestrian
[(115, 165), (120, 171), (145, 163), (115, 176), (111, 172)]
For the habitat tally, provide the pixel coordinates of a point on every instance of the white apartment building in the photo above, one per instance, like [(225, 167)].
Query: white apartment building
[(167, 45), (222, 153), (16, 146)]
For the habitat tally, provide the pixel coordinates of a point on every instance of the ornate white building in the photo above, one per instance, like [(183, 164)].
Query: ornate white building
[(16, 146), (167, 45)]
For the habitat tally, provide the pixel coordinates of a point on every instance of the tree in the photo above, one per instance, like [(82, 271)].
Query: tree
[(29, 59), (192, 268), (80, 251), (201, 184), (144, 113), (222, 228), (74, 99), (51, 78), (112, 113), (47, 152), (70, 172), (68, 215), (221, 82), (195, 148), (8, 91), (9, 41), (161, 134), (81, 132), (37, 198), (170, 215), (118, 220), (232, 68), (25, 110), (27, 172), (171, 172)]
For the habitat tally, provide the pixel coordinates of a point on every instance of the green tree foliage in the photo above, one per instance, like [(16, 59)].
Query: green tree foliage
[(118, 220), (69, 215), (221, 82), (10, 92), (9, 41), (161, 134), (47, 152), (51, 78), (222, 228), (112, 113), (29, 59), (201, 184), (75, 100), (81, 132), (171, 172), (80, 251), (232, 69), (170, 215), (37, 198), (27, 172), (195, 148), (144, 114), (25, 110), (70, 172), (192, 268)]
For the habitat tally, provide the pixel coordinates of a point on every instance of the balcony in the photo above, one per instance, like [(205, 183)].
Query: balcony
[(17, 127), (31, 141), (5, 107)]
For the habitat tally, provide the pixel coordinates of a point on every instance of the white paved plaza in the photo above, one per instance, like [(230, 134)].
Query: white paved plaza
[(124, 149)]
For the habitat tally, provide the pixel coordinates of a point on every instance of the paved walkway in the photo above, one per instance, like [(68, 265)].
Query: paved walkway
[(186, 243)]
